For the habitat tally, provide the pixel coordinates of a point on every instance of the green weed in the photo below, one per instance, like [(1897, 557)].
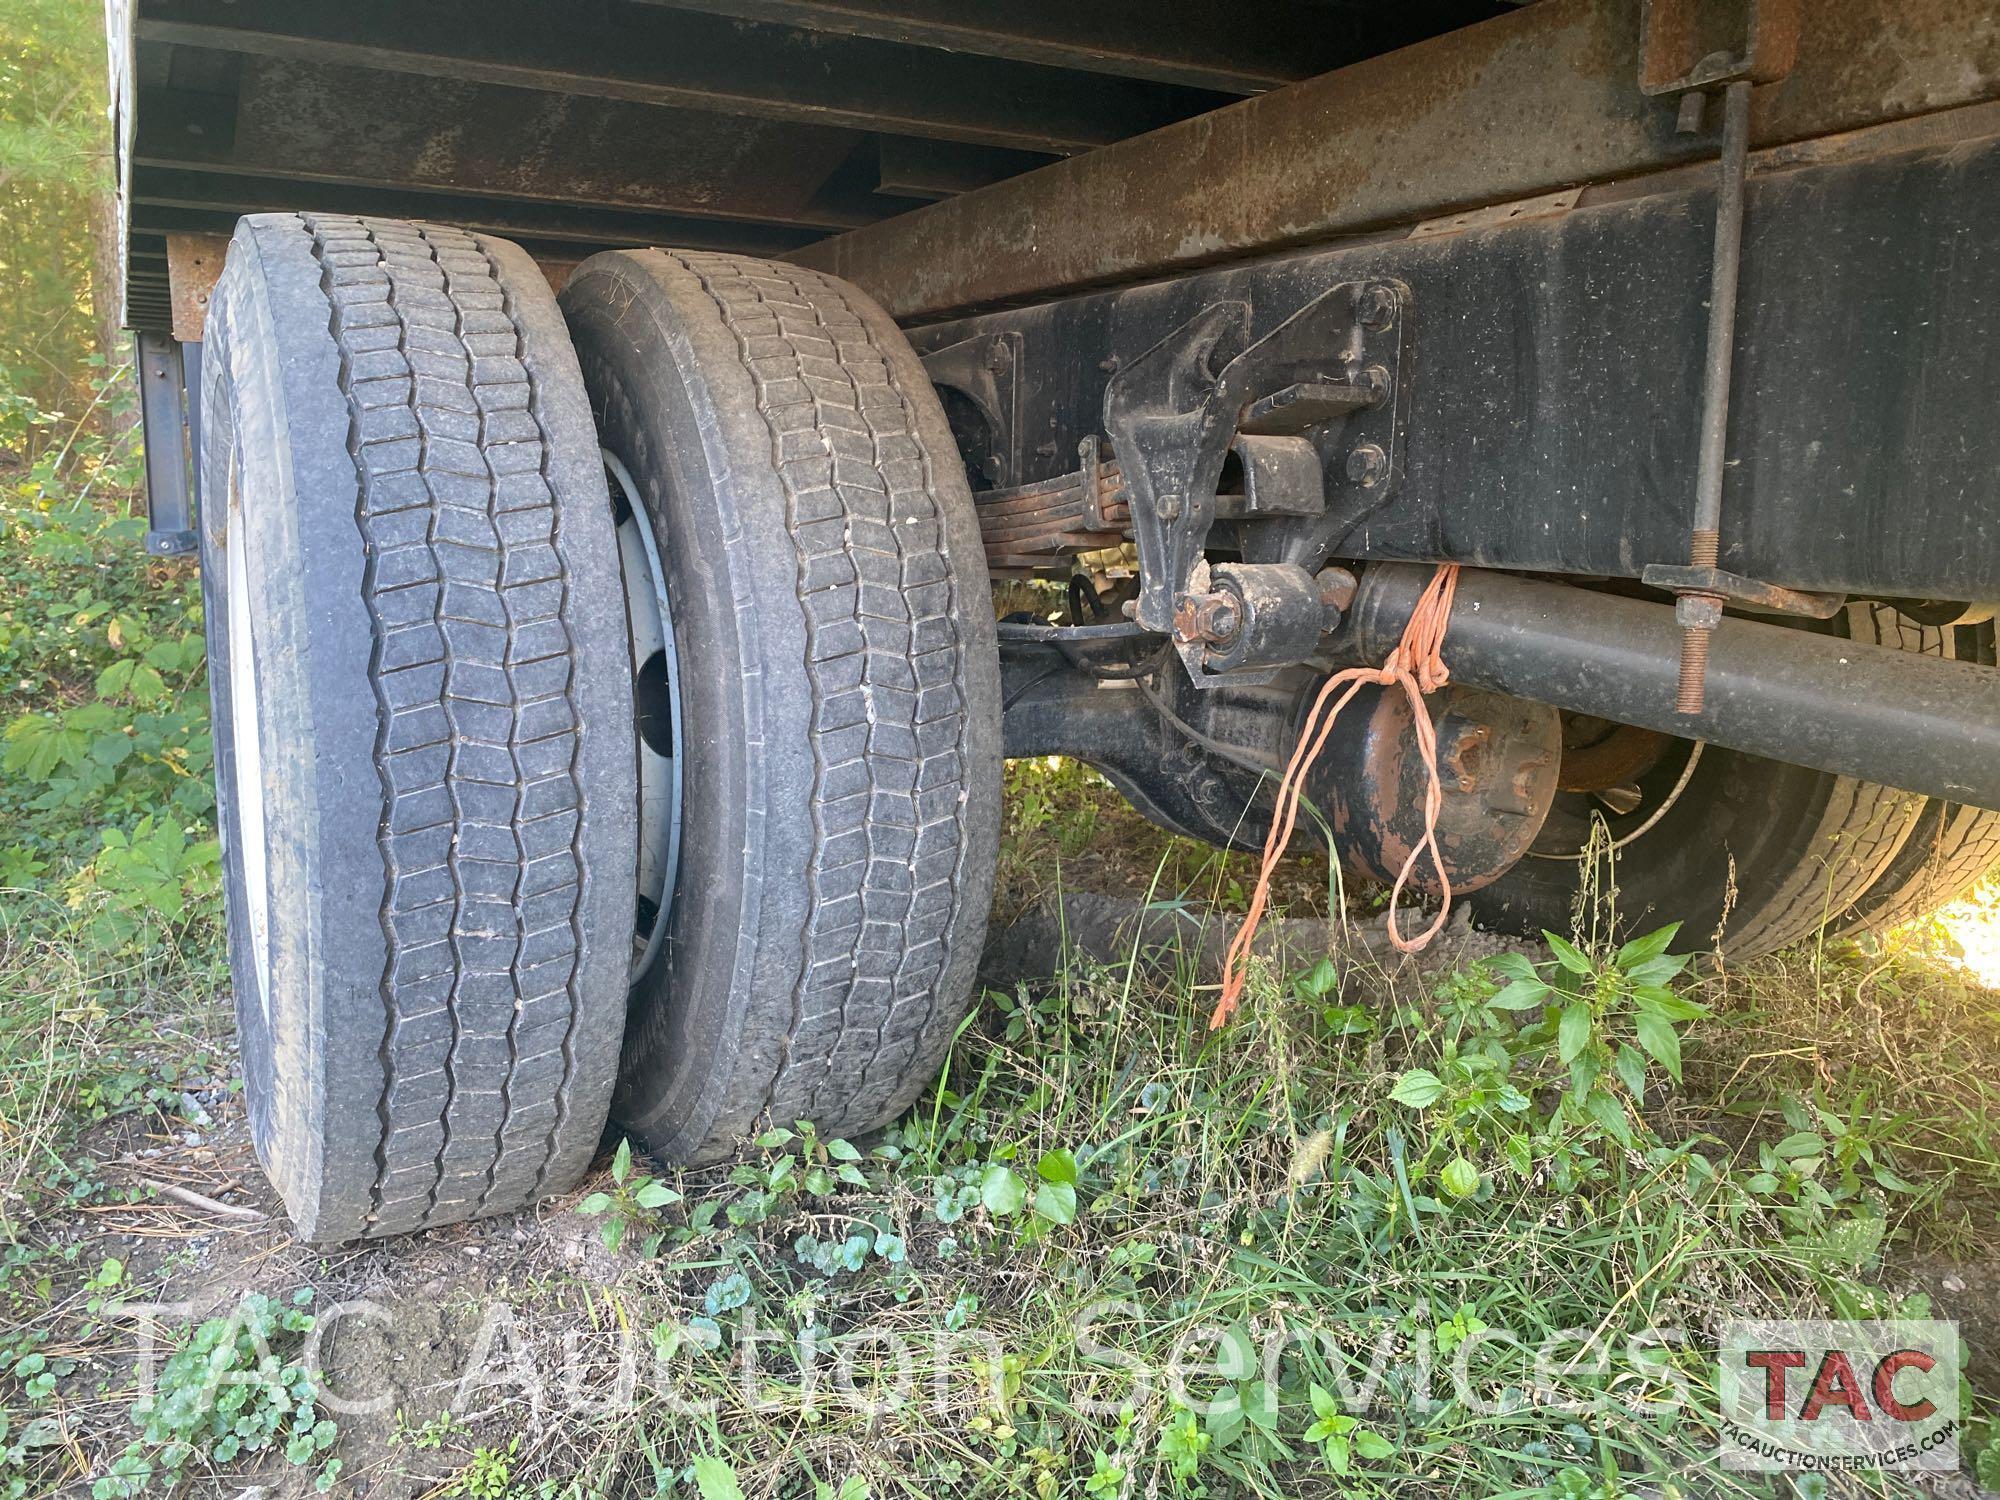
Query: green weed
[(229, 1392)]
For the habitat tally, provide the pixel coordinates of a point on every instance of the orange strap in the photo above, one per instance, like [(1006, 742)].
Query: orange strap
[(1416, 664)]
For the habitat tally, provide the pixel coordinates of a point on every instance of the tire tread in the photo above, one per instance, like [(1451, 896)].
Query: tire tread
[(891, 722), (479, 726)]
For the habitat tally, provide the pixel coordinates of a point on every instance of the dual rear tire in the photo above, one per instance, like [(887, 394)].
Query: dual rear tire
[(431, 729), (840, 686)]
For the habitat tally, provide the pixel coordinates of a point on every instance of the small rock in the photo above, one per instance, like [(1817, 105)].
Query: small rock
[(1953, 1284)]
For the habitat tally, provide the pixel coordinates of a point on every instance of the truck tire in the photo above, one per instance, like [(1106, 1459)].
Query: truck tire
[(424, 788), (1761, 852), (838, 680), (1952, 847)]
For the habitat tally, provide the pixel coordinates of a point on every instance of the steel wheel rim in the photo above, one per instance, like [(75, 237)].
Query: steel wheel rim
[(656, 702), (246, 742)]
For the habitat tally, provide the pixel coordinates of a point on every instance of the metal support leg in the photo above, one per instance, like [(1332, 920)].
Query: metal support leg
[(163, 421)]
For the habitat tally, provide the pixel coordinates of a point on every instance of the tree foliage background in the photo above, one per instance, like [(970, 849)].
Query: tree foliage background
[(106, 812), (57, 301)]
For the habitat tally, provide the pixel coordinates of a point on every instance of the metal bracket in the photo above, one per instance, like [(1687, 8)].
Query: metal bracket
[(1282, 476), (984, 371), (1685, 45), (163, 416), (1734, 588), (1173, 413)]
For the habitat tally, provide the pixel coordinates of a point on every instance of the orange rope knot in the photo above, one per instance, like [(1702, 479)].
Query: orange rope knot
[(1417, 665)]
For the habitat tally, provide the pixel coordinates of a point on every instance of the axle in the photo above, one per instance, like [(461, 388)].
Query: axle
[(1920, 722)]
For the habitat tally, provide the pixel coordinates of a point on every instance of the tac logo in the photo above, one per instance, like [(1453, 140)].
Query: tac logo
[(1825, 1396)]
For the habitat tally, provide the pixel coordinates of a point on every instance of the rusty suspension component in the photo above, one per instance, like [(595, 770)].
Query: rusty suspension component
[(1031, 528)]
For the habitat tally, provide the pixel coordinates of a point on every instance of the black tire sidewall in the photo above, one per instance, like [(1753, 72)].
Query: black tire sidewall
[(322, 1047), (1739, 828), (282, 423)]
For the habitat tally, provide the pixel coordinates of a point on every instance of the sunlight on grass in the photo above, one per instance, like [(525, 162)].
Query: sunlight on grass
[(1973, 925)]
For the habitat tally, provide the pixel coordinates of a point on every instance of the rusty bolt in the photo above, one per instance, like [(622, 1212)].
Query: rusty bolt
[(1221, 618), (1697, 615), (1366, 463), (1462, 751), (1212, 619), (1374, 379), (1376, 307)]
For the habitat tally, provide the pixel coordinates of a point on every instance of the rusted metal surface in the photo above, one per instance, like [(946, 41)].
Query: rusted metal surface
[(1336, 589), (1693, 607), (194, 264), (1686, 44), (1598, 755), (750, 125), (1497, 759), (1256, 616), (1210, 619), (1035, 528), (172, 199), (1750, 592), (906, 167), (1530, 103), (443, 135)]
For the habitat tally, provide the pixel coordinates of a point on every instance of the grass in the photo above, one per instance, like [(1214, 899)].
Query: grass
[(1235, 1193)]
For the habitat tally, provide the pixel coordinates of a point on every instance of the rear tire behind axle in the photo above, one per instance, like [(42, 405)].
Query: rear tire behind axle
[(1755, 851)]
